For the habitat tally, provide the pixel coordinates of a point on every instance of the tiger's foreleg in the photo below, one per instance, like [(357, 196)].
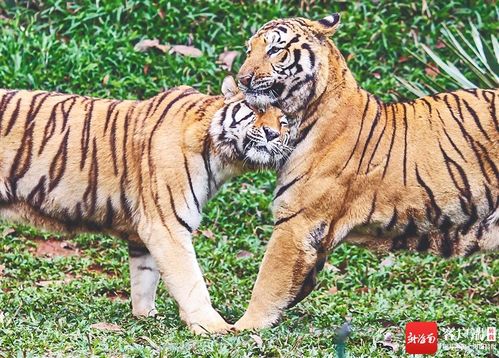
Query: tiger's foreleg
[(173, 252), (144, 278), (287, 275)]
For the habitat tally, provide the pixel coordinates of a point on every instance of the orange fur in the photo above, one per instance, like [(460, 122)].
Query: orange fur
[(417, 175), (138, 170)]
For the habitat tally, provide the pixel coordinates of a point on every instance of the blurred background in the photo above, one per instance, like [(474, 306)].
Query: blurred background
[(55, 289)]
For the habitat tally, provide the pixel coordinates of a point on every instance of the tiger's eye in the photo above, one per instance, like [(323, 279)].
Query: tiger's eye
[(273, 50)]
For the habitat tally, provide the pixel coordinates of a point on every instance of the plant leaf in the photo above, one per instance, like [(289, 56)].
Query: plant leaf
[(258, 340), (478, 43), (146, 44), (411, 87), (183, 50), (452, 70), (226, 59)]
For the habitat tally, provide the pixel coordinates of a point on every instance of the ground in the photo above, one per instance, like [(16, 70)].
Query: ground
[(52, 292)]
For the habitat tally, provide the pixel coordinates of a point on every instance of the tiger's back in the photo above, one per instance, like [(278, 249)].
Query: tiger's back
[(45, 136), (70, 162), (433, 174)]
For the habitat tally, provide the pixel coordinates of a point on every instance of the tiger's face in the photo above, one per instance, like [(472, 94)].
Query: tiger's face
[(240, 131), (284, 62)]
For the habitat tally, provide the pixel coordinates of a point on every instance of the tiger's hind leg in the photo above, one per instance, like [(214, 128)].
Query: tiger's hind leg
[(144, 278)]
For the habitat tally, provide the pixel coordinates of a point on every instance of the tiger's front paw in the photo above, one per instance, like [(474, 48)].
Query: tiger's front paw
[(207, 322), (206, 328), (144, 312), (253, 322)]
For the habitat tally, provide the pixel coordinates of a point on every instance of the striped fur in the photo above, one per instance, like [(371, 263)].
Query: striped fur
[(138, 170), (419, 175)]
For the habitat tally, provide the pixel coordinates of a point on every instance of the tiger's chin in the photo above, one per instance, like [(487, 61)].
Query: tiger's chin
[(262, 157), (260, 100)]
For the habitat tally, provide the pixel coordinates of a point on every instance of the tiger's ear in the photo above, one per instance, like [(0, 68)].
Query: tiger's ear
[(328, 25), (229, 88)]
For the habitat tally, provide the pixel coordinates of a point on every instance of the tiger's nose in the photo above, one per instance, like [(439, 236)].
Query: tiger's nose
[(270, 133), (245, 80)]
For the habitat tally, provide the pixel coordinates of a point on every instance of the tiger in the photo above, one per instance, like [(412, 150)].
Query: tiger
[(139, 170), (417, 175)]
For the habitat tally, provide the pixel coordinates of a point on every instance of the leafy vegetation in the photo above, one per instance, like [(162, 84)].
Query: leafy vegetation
[(48, 304), (479, 56)]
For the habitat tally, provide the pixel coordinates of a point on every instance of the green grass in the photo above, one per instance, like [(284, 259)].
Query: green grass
[(53, 47)]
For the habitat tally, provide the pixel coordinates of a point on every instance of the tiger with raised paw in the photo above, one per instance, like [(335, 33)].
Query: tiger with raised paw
[(419, 175), (137, 170)]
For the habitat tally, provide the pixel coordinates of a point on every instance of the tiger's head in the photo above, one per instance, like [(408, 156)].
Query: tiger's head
[(243, 132), (287, 63)]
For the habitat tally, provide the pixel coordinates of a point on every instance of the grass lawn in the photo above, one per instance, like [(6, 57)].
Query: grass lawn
[(47, 305)]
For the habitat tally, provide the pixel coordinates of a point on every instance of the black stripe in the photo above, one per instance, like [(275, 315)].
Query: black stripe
[(425, 101), (371, 132), (146, 268), (373, 208), (424, 243), (471, 249), (429, 192), (394, 122), (448, 160), (304, 132), (13, 117), (476, 119), (449, 138), (136, 250), (358, 135), (285, 187), (186, 166), (179, 219), (458, 103), (207, 163), (490, 200), (85, 137), (446, 247), (58, 165), (311, 54), (393, 220), (492, 101), (6, 98), (405, 144), (109, 112), (109, 213), (287, 218), (399, 242), (486, 156), (379, 140)]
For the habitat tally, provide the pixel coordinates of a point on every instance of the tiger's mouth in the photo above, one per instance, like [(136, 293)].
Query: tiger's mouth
[(264, 93), (262, 153), (261, 99)]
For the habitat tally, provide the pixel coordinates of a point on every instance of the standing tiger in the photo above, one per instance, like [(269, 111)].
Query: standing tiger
[(138, 170), (417, 175)]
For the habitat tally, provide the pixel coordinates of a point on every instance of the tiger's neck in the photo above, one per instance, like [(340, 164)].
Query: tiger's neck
[(330, 108)]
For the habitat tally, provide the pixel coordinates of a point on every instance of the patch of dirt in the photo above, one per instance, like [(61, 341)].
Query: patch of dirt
[(105, 326), (117, 296), (54, 248)]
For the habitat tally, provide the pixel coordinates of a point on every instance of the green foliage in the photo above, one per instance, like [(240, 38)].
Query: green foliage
[(478, 56), (73, 46)]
